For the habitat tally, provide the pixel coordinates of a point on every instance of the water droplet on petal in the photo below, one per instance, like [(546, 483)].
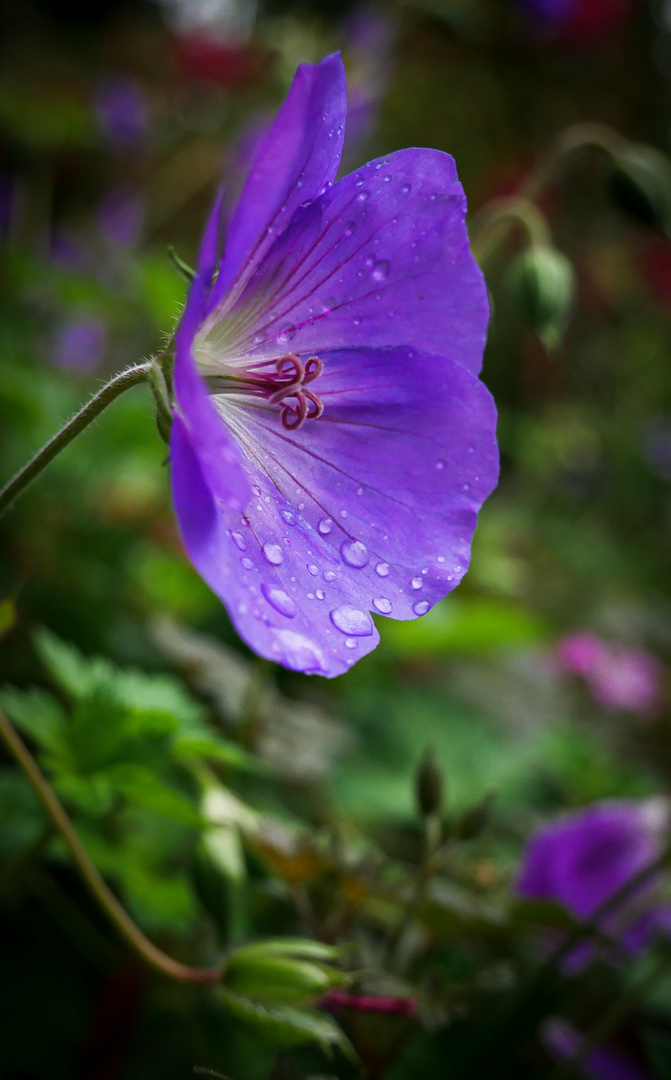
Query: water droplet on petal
[(287, 333), (328, 575), (467, 487), (363, 195), (421, 607), (381, 604), (357, 322), (239, 541), (405, 189), (325, 526), (354, 553), (288, 517), (381, 270), (441, 558), (349, 228), (349, 620), (440, 464), (279, 600), (247, 563), (382, 569), (351, 643), (417, 583), (299, 653), (312, 569), (387, 178), (259, 338), (273, 553), (320, 594)]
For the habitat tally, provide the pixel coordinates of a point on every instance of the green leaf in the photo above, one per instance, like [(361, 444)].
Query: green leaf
[(69, 669), (475, 625), (211, 748), (36, 713), (285, 1026), (144, 788)]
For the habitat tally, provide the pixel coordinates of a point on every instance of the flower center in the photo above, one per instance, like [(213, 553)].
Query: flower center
[(287, 381)]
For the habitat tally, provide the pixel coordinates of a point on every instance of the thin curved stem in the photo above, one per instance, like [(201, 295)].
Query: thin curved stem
[(118, 385), (98, 888), (494, 222)]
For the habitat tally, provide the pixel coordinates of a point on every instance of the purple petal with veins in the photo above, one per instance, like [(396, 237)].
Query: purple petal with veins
[(332, 443)]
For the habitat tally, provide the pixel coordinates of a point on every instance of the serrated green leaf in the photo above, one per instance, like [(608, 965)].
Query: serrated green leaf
[(36, 713)]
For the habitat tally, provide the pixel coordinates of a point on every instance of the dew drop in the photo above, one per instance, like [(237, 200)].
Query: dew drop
[(287, 333), (405, 189), (328, 575), (359, 491), (349, 620), (440, 465), (310, 595), (288, 517), (247, 563), (363, 195), (312, 569), (343, 513), (354, 553), (349, 228), (320, 594), (273, 553), (381, 604), (279, 600), (387, 178), (325, 526), (351, 643), (357, 322), (421, 607), (259, 338), (299, 653), (417, 583), (381, 270), (239, 541), (382, 569), (441, 558)]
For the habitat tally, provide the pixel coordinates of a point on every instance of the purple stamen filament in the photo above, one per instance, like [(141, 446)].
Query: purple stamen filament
[(289, 380)]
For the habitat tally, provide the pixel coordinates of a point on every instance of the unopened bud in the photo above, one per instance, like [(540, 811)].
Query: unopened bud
[(429, 786), (641, 184), (541, 283), (278, 979)]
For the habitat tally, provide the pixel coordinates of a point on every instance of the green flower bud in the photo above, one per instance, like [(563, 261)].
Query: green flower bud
[(278, 980), (541, 283), (429, 786), (641, 184)]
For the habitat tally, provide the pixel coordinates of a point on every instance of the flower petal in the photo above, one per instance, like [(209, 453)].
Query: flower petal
[(197, 431), (381, 258), (298, 156), (370, 508)]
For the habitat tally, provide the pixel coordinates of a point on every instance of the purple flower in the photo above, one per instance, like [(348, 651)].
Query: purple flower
[(619, 676), (120, 217), (582, 859), (332, 444), (80, 344), (603, 1063), (122, 111)]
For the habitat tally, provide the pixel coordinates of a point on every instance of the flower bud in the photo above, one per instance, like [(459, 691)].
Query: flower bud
[(266, 972), (429, 785), (641, 184), (541, 283)]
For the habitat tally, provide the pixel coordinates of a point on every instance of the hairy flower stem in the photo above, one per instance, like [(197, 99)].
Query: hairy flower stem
[(80, 421), (95, 883), (495, 220), (432, 839)]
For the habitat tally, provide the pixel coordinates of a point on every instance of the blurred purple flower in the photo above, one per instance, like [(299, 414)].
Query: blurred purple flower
[(120, 217), (80, 344), (550, 12), (602, 1063), (122, 111), (619, 676), (582, 859), (370, 35), (360, 301)]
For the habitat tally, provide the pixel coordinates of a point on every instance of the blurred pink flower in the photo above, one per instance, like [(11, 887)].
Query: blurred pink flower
[(619, 676)]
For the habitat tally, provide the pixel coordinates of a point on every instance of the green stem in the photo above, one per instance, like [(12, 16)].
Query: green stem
[(93, 880), (498, 217), (587, 136), (86, 415)]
